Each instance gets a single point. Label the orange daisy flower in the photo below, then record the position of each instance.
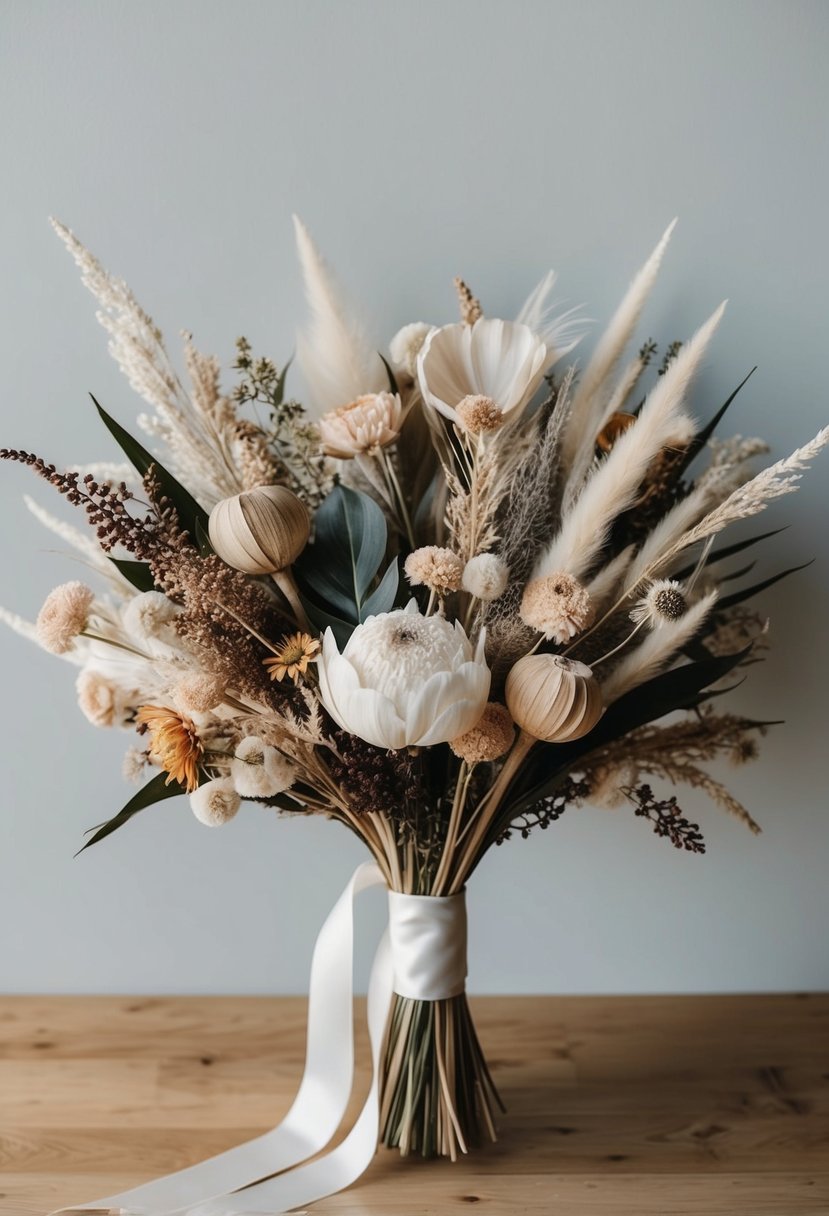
(175, 744)
(295, 652)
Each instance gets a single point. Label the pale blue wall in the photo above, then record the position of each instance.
(418, 140)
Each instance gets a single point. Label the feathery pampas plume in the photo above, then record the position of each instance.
(748, 499)
(560, 333)
(655, 651)
(613, 486)
(591, 396)
(336, 359)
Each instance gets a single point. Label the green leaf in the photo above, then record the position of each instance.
(738, 597)
(391, 376)
(202, 539)
(340, 567)
(189, 511)
(382, 600)
(279, 389)
(154, 791)
(701, 438)
(718, 555)
(323, 620)
(136, 573)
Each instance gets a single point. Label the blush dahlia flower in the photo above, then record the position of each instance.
(404, 680)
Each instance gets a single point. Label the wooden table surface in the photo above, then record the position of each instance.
(617, 1106)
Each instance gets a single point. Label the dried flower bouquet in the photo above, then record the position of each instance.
(455, 596)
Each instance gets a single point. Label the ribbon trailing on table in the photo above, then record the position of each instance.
(422, 955)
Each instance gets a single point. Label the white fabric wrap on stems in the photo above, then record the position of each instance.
(422, 955)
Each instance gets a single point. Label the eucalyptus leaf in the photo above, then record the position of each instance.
(189, 512)
(383, 598)
(154, 791)
(339, 569)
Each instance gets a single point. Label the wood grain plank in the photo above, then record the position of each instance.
(631, 1106)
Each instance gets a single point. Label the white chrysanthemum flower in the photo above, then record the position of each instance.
(363, 426)
(215, 802)
(64, 616)
(404, 680)
(405, 346)
(485, 576)
(500, 360)
(663, 602)
(102, 701)
(147, 615)
(260, 771)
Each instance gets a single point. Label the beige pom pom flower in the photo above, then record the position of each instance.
(439, 569)
(557, 606)
(215, 802)
(485, 576)
(361, 427)
(491, 736)
(260, 771)
(64, 616)
(480, 415)
(199, 692)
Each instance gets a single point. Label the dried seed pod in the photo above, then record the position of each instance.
(260, 531)
(553, 698)
(613, 429)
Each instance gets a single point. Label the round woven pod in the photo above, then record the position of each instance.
(553, 698)
(259, 531)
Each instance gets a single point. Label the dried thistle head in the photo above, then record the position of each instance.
(663, 603)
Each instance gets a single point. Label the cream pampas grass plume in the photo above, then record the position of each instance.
(592, 394)
(656, 650)
(337, 360)
(612, 489)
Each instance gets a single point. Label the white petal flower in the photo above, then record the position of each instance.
(501, 360)
(404, 680)
(260, 771)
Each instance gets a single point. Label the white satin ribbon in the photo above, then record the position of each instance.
(422, 955)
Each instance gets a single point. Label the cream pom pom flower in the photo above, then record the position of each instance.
(486, 576)
(102, 701)
(148, 615)
(215, 802)
(363, 426)
(260, 771)
(434, 567)
(404, 680)
(405, 346)
(501, 360)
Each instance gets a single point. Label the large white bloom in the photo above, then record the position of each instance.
(502, 360)
(404, 680)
